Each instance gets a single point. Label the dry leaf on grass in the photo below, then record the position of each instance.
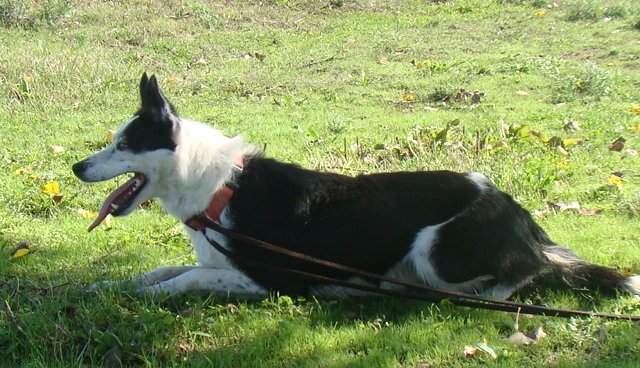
(519, 338)
(571, 126)
(52, 187)
(539, 13)
(526, 338)
(552, 207)
(20, 250)
(56, 149)
(617, 145)
(471, 351)
(615, 179)
(409, 97)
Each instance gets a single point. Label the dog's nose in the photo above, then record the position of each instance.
(79, 167)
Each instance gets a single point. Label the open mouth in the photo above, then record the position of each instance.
(120, 199)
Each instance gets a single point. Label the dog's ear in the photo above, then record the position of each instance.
(143, 86)
(153, 101)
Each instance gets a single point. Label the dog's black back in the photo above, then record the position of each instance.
(370, 222)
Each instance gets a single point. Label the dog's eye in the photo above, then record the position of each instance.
(122, 145)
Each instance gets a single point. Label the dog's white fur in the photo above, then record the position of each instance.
(198, 168)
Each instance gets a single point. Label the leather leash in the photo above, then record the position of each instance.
(201, 223)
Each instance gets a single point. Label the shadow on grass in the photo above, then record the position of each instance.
(83, 327)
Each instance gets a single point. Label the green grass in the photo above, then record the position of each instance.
(346, 86)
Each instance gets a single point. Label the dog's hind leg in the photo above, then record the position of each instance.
(216, 281)
(147, 278)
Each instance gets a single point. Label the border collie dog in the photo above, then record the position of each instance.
(444, 229)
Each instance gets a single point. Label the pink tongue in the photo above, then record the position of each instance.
(106, 206)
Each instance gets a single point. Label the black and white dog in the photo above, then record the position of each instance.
(448, 230)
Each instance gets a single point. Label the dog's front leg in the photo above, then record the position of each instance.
(216, 281)
(146, 279)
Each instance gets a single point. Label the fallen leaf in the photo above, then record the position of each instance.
(110, 134)
(571, 206)
(635, 109)
(57, 198)
(86, 214)
(52, 187)
(201, 61)
(615, 180)
(537, 334)
(20, 250)
(571, 126)
(555, 142)
(588, 212)
(20, 253)
(56, 149)
(409, 97)
(91, 215)
(562, 207)
(635, 128)
(384, 60)
(171, 79)
(519, 338)
(570, 142)
(617, 145)
(561, 151)
(522, 93)
(526, 338)
(539, 13)
(483, 346)
(469, 351)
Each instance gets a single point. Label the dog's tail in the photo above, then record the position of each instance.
(577, 273)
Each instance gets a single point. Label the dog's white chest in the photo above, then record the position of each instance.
(207, 255)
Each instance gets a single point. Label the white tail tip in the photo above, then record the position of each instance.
(632, 285)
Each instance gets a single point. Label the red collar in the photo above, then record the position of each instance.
(219, 201)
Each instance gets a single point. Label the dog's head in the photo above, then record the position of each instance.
(143, 146)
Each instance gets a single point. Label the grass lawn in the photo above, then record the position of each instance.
(532, 93)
